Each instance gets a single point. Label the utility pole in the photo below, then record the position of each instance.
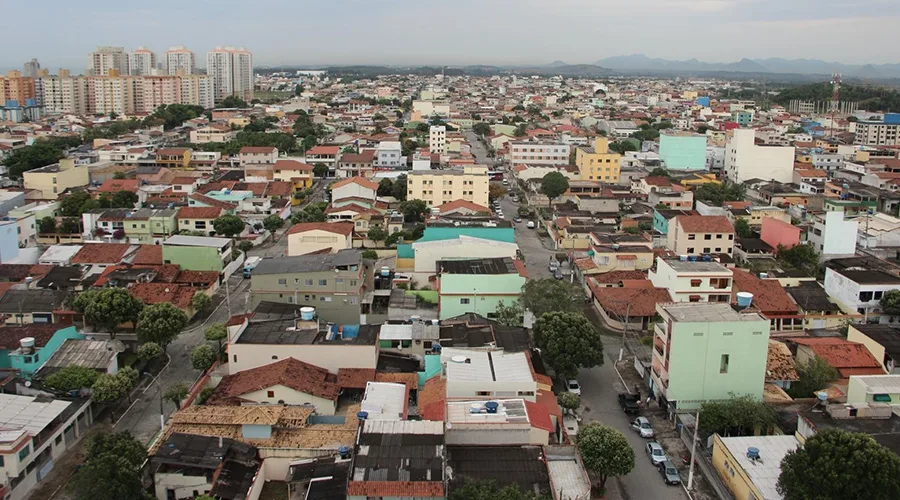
(693, 450)
(228, 297)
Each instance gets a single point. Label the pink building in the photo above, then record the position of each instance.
(775, 232)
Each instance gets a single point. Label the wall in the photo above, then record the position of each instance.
(877, 350)
(683, 152)
(314, 241)
(183, 486)
(341, 300)
(740, 484)
(745, 160)
(291, 397)
(44, 353)
(427, 254)
(679, 284)
(858, 393)
(193, 258)
(489, 434)
(484, 293)
(775, 232)
(331, 357)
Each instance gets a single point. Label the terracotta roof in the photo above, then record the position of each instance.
(238, 319)
(351, 207)
(289, 372)
(5, 286)
(172, 151)
(345, 228)
(768, 295)
(704, 223)
(42, 333)
(396, 488)
(635, 301)
(811, 172)
(293, 165)
(432, 399)
(212, 202)
(207, 277)
(364, 157)
(848, 358)
(148, 254)
(520, 267)
(15, 272)
(116, 185)
(644, 283)
(101, 253)
(410, 380)
(156, 293)
(279, 188)
(455, 204)
(539, 416)
(548, 400)
(586, 264)
(257, 149)
(780, 362)
(184, 180)
(355, 378)
(362, 181)
(324, 150)
(658, 181)
(618, 276)
(198, 213)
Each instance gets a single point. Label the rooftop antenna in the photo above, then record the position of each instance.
(835, 97)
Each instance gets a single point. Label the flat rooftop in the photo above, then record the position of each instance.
(697, 267)
(510, 411)
(27, 413)
(765, 471)
(308, 263)
(486, 366)
(699, 312)
(502, 265)
(197, 241)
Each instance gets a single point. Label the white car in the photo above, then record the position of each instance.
(656, 453)
(642, 426)
(531, 224)
(571, 425)
(573, 387)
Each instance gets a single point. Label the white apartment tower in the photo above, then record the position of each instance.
(31, 68)
(142, 62)
(64, 94)
(437, 139)
(231, 70)
(108, 58)
(180, 59)
(745, 160)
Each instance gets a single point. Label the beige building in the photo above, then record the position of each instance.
(700, 234)
(693, 281)
(310, 237)
(436, 187)
(53, 180)
(597, 162)
(65, 94)
(106, 60)
(539, 153)
(255, 155)
(212, 133)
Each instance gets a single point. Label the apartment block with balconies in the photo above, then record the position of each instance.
(689, 281)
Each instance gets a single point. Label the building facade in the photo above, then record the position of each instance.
(231, 70)
(142, 62)
(537, 153)
(879, 133)
(694, 235)
(180, 60)
(598, 162)
(682, 150)
(106, 59)
(436, 187)
(745, 160)
(437, 139)
(693, 281)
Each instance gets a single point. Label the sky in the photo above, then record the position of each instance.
(456, 32)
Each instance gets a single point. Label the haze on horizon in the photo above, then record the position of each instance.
(498, 32)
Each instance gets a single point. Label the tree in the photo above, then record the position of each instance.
(377, 233)
(71, 378)
(398, 189)
(568, 401)
(742, 228)
(108, 308)
(414, 210)
(568, 341)
(605, 452)
(119, 176)
(622, 147)
(814, 376)
(320, 170)
(273, 223)
(370, 254)
(111, 469)
(659, 172)
(509, 315)
(110, 388)
(73, 205)
(385, 187)
(496, 191)
(39, 154)
(149, 351)
(203, 356)
(233, 101)
(129, 374)
(482, 129)
(801, 257)
(553, 185)
(489, 490)
(160, 323)
(228, 225)
(245, 246)
(717, 194)
(176, 394)
(174, 115)
(547, 295)
(738, 416)
(890, 302)
(201, 302)
(835, 464)
(47, 225)
(520, 130)
(69, 225)
(314, 212)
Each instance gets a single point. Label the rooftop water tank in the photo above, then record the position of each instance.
(344, 452)
(491, 406)
(744, 299)
(362, 415)
(307, 313)
(458, 359)
(27, 343)
(753, 453)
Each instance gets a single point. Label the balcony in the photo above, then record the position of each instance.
(660, 332)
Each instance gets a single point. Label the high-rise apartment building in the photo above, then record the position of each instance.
(64, 94)
(141, 62)
(123, 94)
(31, 68)
(180, 59)
(197, 90)
(104, 59)
(231, 70)
(15, 87)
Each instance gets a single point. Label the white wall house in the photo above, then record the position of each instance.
(745, 160)
(428, 253)
(474, 374)
(389, 155)
(437, 139)
(832, 236)
(693, 281)
(861, 290)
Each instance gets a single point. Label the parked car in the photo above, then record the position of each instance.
(517, 219)
(571, 425)
(656, 453)
(630, 403)
(573, 386)
(642, 426)
(669, 472)
(558, 274)
(531, 224)
(553, 266)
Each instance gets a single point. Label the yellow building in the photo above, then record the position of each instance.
(693, 181)
(598, 163)
(53, 180)
(750, 465)
(296, 172)
(174, 158)
(436, 187)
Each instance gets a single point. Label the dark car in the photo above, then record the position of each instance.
(669, 472)
(630, 403)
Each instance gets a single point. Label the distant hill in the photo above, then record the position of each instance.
(557, 63)
(640, 62)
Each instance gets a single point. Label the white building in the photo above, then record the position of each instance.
(65, 94)
(693, 281)
(437, 139)
(832, 236)
(106, 58)
(231, 70)
(878, 133)
(389, 154)
(537, 153)
(474, 374)
(180, 59)
(861, 289)
(142, 62)
(429, 253)
(745, 160)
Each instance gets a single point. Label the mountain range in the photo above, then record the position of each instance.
(640, 62)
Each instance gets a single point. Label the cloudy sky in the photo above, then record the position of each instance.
(62, 33)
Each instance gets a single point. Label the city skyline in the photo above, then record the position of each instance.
(576, 31)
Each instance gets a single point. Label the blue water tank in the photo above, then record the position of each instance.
(744, 299)
(350, 331)
(344, 452)
(362, 415)
(491, 406)
(892, 118)
(307, 313)
(753, 453)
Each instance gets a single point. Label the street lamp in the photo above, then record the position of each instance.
(162, 418)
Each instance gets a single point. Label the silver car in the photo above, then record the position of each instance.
(642, 426)
(669, 472)
(656, 453)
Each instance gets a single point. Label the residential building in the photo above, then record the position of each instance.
(142, 62)
(31, 68)
(833, 236)
(538, 153)
(689, 281)
(285, 382)
(198, 219)
(319, 237)
(848, 358)
(255, 155)
(231, 70)
(750, 465)
(597, 162)
(883, 341)
(818, 309)
(885, 132)
(326, 155)
(357, 165)
(860, 287)
(180, 60)
(436, 187)
(770, 299)
(745, 160)
(65, 94)
(700, 235)
(212, 133)
(37, 432)
(633, 303)
(437, 139)
(33, 306)
(389, 155)
(199, 253)
(331, 283)
(299, 174)
(613, 256)
(107, 60)
(478, 285)
(681, 150)
(873, 389)
(26, 348)
(53, 180)
(15, 87)
(191, 465)
(777, 233)
(430, 252)
(113, 94)
(707, 352)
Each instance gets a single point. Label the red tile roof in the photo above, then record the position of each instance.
(704, 224)
(156, 293)
(204, 277)
(410, 380)
(453, 205)
(658, 181)
(101, 253)
(355, 378)
(148, 254)
(432, 399)
(539, 416)
(351, 207)
(198, 213)
(848, 358)
(289, 372)
(396, 488)
(324, 150)
(618, 276)
(636, 302)
(183, 181)
(116, 185)
(345, 228)
(520, 267)
(768, 295)
(11, 335)
(238, 319)
(212, 202)
(362, 181)
(293, 165)
(364, 157)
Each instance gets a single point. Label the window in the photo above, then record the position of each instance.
(723, 364)
(730, 237)
(56, 441)
(692, 236)
(464, 301)
(718, 236)
(306, 298)
(270, 394)
(24, 452)
(308, 282)
(707, 236)
(696, 283)
(323, 282)
(718, 249)
(706, 250)
(690, 250)
(282, 281)
(526, 393)
(483, 393)
(865, 296)
(876, 296)
(339, 281)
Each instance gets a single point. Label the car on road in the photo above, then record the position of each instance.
(656, 453)
(531, 224)
(573, 386)
(630, 403)
(669, 472)
(558, 274)
(571, 424)
(642, 426)
(517, 219)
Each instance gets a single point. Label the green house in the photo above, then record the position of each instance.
(26, 348)
(478, 285)
(198, 253)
